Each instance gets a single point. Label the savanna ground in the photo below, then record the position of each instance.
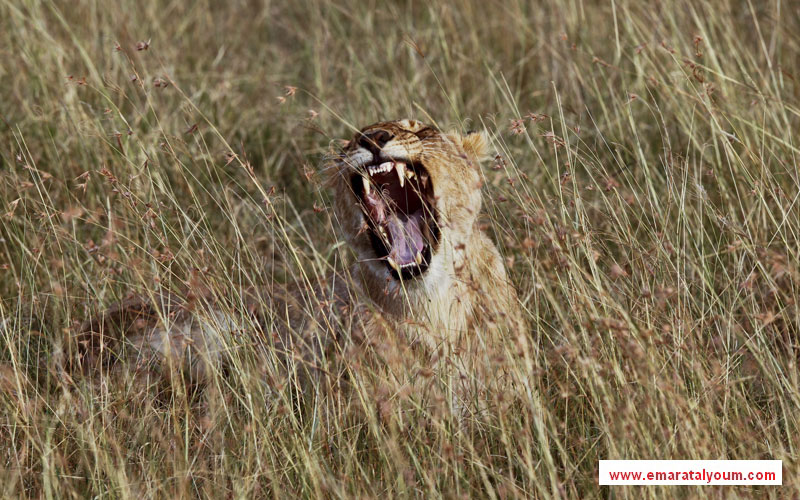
(644, 194)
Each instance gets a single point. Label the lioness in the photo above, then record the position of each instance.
(425, 277)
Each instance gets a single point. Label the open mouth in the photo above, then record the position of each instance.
(397, 200)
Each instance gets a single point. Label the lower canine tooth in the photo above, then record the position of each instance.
(394, 264)
(418, 259)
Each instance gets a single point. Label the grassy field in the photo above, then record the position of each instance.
(644, 194)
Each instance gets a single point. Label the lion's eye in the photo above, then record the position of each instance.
(425, 132)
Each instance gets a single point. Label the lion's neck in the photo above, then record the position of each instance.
(441, 300)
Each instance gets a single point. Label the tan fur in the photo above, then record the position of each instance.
(458, 310)
(467, 282)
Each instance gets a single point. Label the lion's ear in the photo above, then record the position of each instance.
(475, 145)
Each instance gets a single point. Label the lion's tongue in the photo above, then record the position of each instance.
(406, 234)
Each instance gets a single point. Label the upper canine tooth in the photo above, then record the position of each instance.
(401, 173)
(366, 185)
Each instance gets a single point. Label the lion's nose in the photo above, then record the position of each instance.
(374, 141)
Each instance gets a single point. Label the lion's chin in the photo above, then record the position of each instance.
(397, 201)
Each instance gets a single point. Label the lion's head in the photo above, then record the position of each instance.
(407, 196)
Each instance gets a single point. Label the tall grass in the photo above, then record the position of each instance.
(644, 195)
